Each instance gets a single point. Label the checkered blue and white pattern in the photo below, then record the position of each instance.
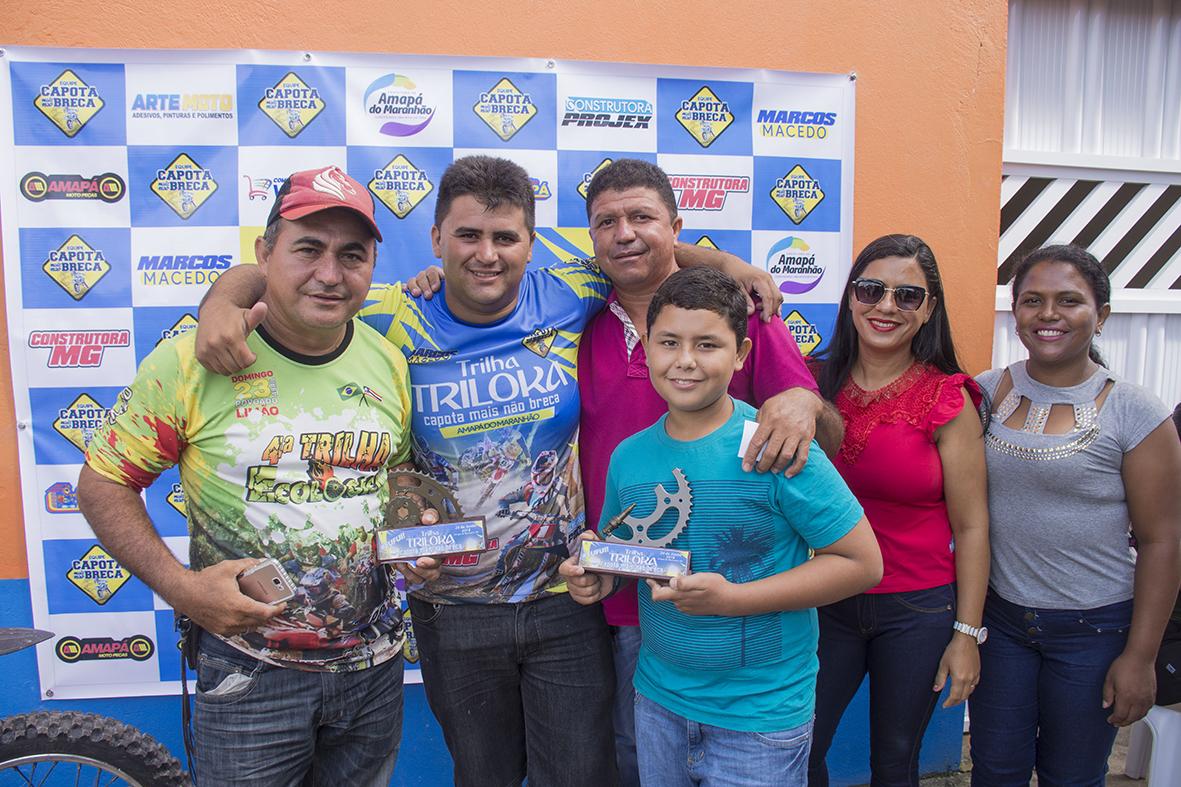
(130, 179)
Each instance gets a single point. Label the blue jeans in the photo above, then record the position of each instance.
(520, 690)
(1040, 699)
(1168, 666)
(898, 638)
(625, 642)
(676, 752)
(257, 724)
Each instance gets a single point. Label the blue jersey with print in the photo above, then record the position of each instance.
(495, 419)
(754, 673)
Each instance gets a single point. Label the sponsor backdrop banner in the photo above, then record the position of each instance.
(129, 180)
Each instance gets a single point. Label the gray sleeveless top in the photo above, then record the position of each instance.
(1058, 512)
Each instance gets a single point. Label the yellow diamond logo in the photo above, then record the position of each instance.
(79, 420)
(541, 189)
(804, 332)
(76, 266)
(176, 499)
(291, 103)
(587, 177)
(97, 574)
(797, 193)
(705, 116)
(707, 242)
(540, 341)
(184, 185)
(400, 186)
(505, 109)
(185, 324)
(68, 102)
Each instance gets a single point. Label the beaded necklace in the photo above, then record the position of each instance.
(1041, 398)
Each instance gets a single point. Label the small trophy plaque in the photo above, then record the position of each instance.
(407, 544)
(644, 554)
(613, 557)
(405, 538)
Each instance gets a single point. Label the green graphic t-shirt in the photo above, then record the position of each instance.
(285, 459)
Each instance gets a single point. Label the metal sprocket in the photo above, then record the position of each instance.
(412, 493)
(682, 501)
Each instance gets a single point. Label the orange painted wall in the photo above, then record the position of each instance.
(930, 98)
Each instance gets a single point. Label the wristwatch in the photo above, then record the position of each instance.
(979, 634)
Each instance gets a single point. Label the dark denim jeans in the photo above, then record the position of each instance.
(625, 642)
(266, 726)
(520, 690)
(898, 638)
(1040, 699)
(677, 752)
(1168, 665)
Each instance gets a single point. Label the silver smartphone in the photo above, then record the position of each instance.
(266, 582)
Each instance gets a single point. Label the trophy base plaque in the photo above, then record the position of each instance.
(447, 538)
(628, 560)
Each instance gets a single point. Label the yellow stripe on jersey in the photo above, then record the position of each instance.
(568, 354)
(397, 317)
(584, 278)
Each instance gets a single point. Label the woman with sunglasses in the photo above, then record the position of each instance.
(1076, 458)
(913, 455)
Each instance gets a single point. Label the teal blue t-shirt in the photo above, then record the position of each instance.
(755, 673)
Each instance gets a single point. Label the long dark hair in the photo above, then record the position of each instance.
(932, 343)
(1082, 261)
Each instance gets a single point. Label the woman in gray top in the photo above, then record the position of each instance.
(1075, 456)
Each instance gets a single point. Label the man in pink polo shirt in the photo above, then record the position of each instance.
(633, 220)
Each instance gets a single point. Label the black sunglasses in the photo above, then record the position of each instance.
(908, 297)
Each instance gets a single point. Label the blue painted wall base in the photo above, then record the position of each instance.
(848, 758)
(423, 761)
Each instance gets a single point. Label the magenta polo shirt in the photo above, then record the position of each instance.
(618, 401)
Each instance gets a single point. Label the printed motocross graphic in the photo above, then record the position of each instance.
(495, 419)
(281, 460)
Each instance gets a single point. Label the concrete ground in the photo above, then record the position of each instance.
(1115, 768)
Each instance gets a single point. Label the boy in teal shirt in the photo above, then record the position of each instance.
(729, 652)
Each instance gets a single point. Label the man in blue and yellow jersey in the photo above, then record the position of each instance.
(288, 459)
(505, 652)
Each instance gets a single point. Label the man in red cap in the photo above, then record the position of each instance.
(314, 190)
(285, 468)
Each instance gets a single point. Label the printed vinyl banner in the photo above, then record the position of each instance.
(129, 180)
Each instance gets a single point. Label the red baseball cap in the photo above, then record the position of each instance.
(313, 190)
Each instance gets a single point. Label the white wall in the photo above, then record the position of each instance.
(1094, 77)
(1093, 94)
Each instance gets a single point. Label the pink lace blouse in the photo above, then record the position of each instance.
(890, 461)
